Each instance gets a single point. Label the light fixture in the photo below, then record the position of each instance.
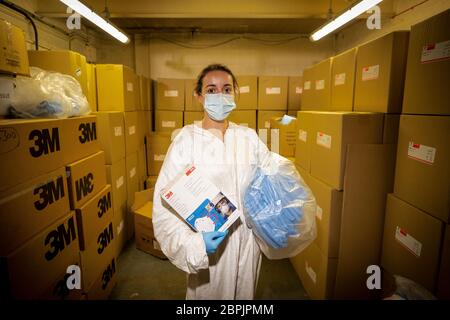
(345, 17)
(80, 8)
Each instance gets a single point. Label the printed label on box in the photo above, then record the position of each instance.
(323, 140)
(120, 227)
(370, 73)
(405, 239)
(117, 131)
(267, 124)
(171, 93)
(274, 90)
(298, 90)
(339, 79)
(129, 86)
(131, 130)
(119, 182)
(307, 85)
(302, 135)
(159, 157)
(421, 152)
(311, 273)
(435, 52)
(319, 212)
(168, 124)
(244, 89)
(132, 172)
(320, 84)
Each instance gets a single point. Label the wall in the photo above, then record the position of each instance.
(358, 33)
(173, 55)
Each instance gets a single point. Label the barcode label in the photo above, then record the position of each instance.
(320, 84)
(274, 90)
(421, 152)
(244, 89)
(370, 73)
(408, 241)
(170, 93)
(435, 52)
(117, 131)
(323, 140)
(339, 79)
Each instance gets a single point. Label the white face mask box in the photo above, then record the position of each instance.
(199, 202)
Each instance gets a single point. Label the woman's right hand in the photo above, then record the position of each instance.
(212, 240)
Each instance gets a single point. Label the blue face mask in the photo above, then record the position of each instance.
(219, 105)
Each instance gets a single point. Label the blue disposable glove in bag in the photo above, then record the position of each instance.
(275, 202)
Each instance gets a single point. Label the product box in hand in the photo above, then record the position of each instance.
(198, 201)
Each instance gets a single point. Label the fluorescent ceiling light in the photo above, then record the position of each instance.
(79, 7)
(342, 19)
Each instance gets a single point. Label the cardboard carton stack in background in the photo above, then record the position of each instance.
(416, 232)
(170, 99)
(272, 103)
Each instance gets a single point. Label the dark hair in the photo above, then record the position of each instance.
(210, 68)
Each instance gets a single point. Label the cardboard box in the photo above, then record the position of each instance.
(191, 116)
(145, 237)
(116, 88)
(35, 147)
(144, 86)
(62, 61)
(105, 282)
(272, 93)
(316, 271)
(150, 182)
(246, 118)
(142, 167)
(380, 73)
(443, 285)
(304, 140)
(190, 100)
(390, 128)
(343, 80)
(132, 175)
(29, 208)
(295, 91)
(148, 122)
(369, 173)
(157, 146)
(52, 250)
(116, 177)
(86, 178)
(111, 135)
(332, 132)
(309, 92)
(119, 220)
(96, 256)
(131, 132)
(411, 243)
(428, 67)
(14, 58)
(322, 84)
(170, 94)
(167, 121)
(328, 216)
(91, 84)
(247, 99)
(263, 122)
(423, 164)
(292, 113)
(283, 136)
(93, 216)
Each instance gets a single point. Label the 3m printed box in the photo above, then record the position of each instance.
(198, 201)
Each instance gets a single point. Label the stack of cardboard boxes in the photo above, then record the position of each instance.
(416, 242)
(345, 151)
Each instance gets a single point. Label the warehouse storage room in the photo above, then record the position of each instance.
(252, 151)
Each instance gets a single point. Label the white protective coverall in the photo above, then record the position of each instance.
(232, 272)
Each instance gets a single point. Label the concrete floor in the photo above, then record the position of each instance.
(144, 277)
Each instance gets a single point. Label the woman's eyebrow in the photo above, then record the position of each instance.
(210, 85)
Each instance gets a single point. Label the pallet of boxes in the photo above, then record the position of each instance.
(55, 205)
(345, 151)
(416, 242)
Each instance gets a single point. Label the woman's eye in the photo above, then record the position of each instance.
(211, 90)
(228, 91)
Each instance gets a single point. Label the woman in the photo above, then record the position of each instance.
(218, 265)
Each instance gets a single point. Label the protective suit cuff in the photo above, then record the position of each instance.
(197, 257)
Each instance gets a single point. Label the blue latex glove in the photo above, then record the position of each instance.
(213, 240)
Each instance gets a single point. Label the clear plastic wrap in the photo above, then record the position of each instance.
(47, 94)
(280, 208)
